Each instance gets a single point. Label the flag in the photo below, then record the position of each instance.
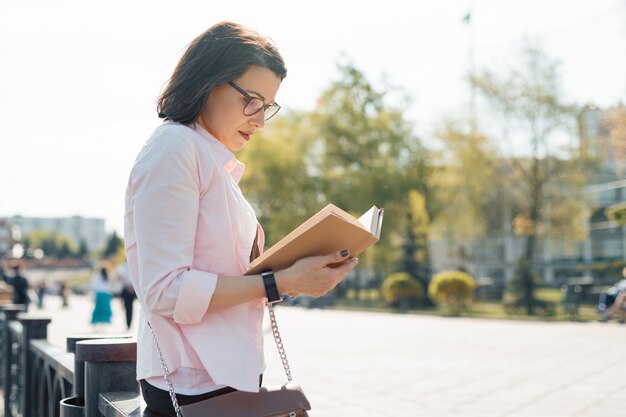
(467, 17)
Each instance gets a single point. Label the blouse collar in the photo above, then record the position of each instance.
(223, 155)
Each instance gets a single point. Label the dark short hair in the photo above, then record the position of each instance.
(221, 54)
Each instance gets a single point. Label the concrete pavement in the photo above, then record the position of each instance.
(388, 365)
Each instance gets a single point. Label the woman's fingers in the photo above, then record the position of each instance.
(317, 275)
(343, 269)
(332, 258)
(337, 257)
(348, 266)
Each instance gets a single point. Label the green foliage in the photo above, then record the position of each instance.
(53, 243)
(113, 246)
(83, 251)
(408, 262)
(401, 290)
(453, 288)
(368, 154)
(523, 286)
(415, 256)
(465, 185)
(617, 213)
(420, 225)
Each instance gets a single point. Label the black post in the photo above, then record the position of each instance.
(79, 365)
(75, 406)
(32, 328)
(109, 367)
(9, 312)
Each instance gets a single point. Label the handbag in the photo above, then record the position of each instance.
(287, 400)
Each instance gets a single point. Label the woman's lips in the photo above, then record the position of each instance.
(245, 135)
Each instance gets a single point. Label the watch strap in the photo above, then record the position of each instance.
(271, 289)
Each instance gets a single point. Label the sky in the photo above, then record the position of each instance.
(79, 79)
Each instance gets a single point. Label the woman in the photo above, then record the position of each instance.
(190, 233)
(101, 286)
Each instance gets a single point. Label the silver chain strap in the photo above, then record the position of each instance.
(166, 372)
(279, 341)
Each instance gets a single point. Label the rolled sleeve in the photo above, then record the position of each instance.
(165, 202)
(194, 296)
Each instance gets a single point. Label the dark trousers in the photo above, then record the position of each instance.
(128, 298)
(159, 400)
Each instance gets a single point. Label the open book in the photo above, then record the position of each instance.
(331, 229)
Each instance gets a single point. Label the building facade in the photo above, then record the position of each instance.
(78, 229)
(602, 137)
(9, 237)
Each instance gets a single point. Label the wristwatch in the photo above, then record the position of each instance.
(271, 290)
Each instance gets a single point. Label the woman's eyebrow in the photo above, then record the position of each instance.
(257, 93)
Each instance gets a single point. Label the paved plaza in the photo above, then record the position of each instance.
(393, 365)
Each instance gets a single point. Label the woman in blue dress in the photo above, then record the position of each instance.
(102, 289)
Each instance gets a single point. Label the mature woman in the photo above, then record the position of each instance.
(190, 233)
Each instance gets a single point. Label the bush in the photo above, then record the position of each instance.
(401, 290)
(453, 288)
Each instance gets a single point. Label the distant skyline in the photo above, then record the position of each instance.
(79, 80)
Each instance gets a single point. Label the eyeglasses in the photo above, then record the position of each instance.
(255, 104)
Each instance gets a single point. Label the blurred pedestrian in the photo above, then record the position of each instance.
(6, 290)
(128, 292)
(101, 286)
(63, 294)
(20, 287)
(618, 295)
(42, 289)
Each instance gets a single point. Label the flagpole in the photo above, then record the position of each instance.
(472, 102)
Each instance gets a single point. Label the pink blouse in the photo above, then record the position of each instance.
(186, 222)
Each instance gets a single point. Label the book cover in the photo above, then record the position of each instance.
(331, 229)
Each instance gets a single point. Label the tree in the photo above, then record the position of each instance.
(53, 243)
(464, 187)
(113, 245)
(366, 153)
(65, 251)
(415, 255)
(547, 180)
(409, 262)
(83, 251)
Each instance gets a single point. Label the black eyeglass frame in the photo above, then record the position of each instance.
(249, 98)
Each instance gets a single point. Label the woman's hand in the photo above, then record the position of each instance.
(316, 275)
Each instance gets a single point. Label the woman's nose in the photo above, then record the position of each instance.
(258, 119)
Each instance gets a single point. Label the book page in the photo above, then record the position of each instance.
(371, 220)
(379, 223)
(367, 219)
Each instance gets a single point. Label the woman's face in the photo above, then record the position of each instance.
(222, 115)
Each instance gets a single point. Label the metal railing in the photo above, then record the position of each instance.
(94, 377)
